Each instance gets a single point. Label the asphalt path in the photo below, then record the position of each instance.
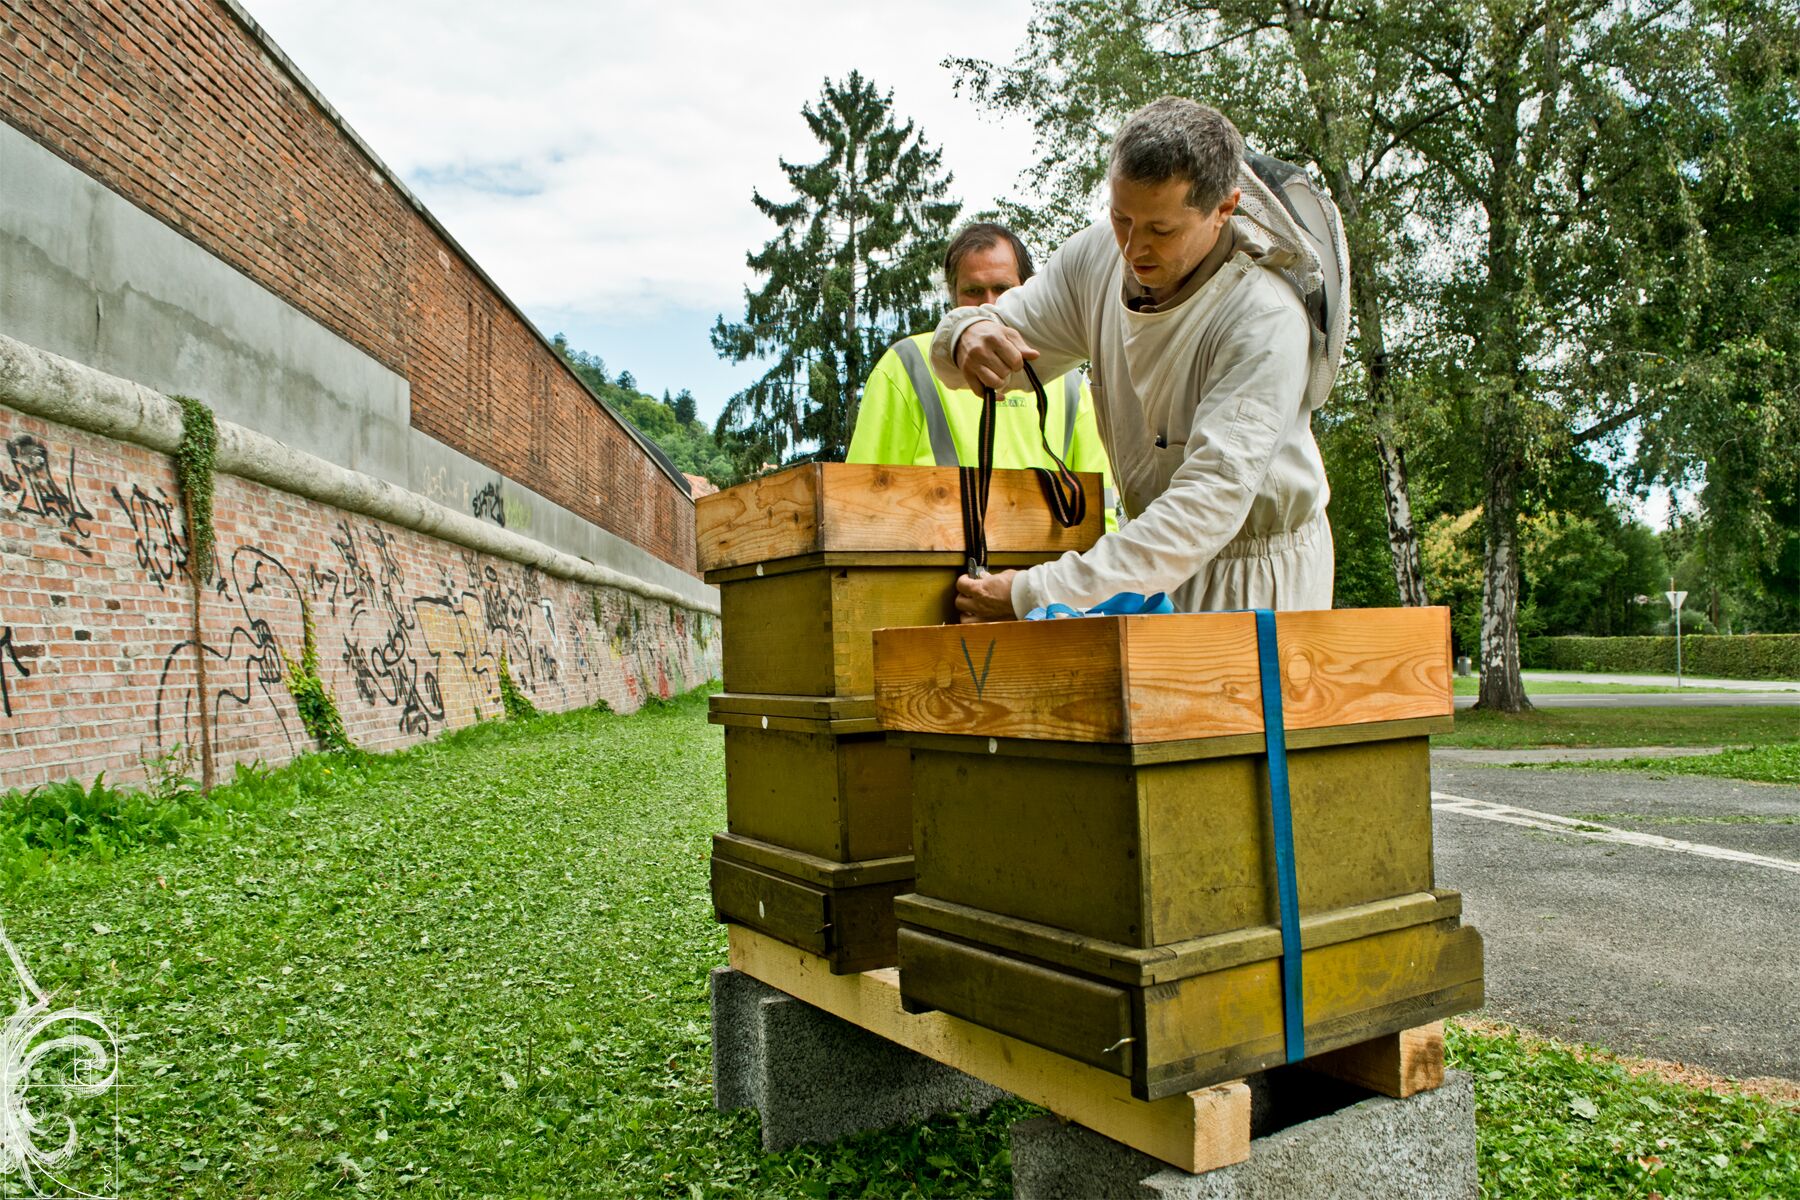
(1654, 700)
(1735, 685)
(1655, 916)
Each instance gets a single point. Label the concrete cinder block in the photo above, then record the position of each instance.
(815, 1078)
(1422, 1147)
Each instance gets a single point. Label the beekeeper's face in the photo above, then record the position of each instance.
(1161, 238)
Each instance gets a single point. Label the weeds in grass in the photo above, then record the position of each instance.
(1552, 1121)
(1777, 762)
(55, 823)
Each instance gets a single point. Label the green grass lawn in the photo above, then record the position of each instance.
(1724, 726)
(480, 969)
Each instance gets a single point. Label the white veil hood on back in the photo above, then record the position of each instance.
(1302, 220)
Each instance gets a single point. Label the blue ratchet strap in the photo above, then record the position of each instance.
(1281, 818)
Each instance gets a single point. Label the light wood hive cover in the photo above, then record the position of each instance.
(1161, 678)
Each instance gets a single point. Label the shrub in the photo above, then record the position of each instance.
(517, 705)
(1749, 656)
(317, 707)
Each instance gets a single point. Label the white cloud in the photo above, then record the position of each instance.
(599, 159)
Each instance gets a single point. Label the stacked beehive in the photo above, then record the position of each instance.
(808, 563)
(1095, 869)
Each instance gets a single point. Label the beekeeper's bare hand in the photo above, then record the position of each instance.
(985, 597)
(988, 353)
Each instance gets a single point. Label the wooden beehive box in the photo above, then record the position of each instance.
(810, 561)
(843, 912)
(819, 825)
(1093, 867)
(1162, 678)
(814, 774)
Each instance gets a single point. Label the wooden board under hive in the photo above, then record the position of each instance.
(810, 561)
(1094, 861)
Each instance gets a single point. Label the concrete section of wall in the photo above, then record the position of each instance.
(86, 274)
(458, 482)
(98, 664)
(189, 112)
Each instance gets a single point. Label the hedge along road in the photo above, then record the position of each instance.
(1733, 685)
(1680, 945)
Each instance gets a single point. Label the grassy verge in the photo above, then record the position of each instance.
(480, 968)
(1777, 762)
(1725, 726)
(1470, 685)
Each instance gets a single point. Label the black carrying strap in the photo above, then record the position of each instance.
(1062, 487)
(976, 481)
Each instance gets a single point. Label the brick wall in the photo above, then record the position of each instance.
(176, 105)
(97, 660)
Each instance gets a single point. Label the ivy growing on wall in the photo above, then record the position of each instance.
(517, 706)
(318, 710)
(194, 463)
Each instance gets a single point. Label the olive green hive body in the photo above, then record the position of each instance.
(809, 562)
(1113, 899)
(819, 820)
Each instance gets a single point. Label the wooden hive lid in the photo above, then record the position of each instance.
(1161, 678)
(837, 507)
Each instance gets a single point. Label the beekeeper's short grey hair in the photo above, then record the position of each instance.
(1175, 138)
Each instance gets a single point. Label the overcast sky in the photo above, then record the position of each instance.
(597, 159)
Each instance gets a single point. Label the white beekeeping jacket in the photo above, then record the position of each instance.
(1205, 411)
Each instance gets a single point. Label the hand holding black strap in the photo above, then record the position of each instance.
(1062, 487)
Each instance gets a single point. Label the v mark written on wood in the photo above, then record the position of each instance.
(980, 680)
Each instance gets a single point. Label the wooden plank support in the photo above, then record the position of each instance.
(1199, 1131)
(1399, 1064)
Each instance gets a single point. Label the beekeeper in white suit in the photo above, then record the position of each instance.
(1190, 303)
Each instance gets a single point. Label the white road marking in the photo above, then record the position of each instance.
(1552, 823)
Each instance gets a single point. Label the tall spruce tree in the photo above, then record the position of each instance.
(849, 270)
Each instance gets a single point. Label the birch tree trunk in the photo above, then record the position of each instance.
(1502, 433)
(1502, 687)
(1403, 535)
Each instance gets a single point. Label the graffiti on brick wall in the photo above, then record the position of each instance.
(404, 649)
(9, 661)
(156, 539)
(426, 651)
(246, 670)
(488, 503)
(33, 490)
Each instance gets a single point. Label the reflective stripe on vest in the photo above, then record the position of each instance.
(943, 446)
(1071, 406)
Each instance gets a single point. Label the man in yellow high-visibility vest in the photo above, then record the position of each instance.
(909, 417)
